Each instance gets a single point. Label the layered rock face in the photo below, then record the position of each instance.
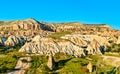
(45, 45)
(95, 48)
(75, 45)
(29, 24)
(28, 27)
(85, 39)
(68, 26)
(76, 40)
(13, 40)
(93, 44)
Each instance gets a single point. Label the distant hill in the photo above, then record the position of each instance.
(33, 27)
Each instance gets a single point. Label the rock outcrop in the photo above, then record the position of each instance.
(28, 27)
(90, 67)
(84, 40)
(92, 43)
(44, 45)
(51, 62)
(76, 40)
(95, 48)
(75, 45)
(30, 24)
(14, 40)
(1, 42)
(118, 41)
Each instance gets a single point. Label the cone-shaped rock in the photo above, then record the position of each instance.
(51, 62)
(89, 67)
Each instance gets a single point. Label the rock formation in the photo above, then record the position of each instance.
(95, 48)
(13, 40)
(76, 40)
(30, 24)
(118, 41)
(90, 67)
(44, 45)
(75, 45)
(51, 62)
(92, 43)
(1, 42)
(28, 27)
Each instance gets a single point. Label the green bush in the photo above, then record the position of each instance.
(7, 62)
(24, 60)
(37, 61)
(113, 48)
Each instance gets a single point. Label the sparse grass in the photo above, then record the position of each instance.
(7, 62)
(112, 54)
(57, 35)
(113, 48)
(75, 66)
(8, 58)
(37, 63)
(68, 65)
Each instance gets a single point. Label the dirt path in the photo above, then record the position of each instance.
(112, 60)
(20, 66)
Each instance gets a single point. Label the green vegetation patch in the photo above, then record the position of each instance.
(38, 63)
(7, 62)
(57, 35)
(68, 65)
(113, 48)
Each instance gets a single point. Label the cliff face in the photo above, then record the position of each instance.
(45, 45)
(28, 24)
(24, 28)
(75, 45)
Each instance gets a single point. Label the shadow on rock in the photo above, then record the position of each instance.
(61, 63)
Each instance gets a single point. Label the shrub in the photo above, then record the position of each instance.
(7, 62)
(24, 60)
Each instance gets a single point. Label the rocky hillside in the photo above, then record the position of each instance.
(41, 47)
(42, 37)
(76, 45)
(33, 27)
(24, 28)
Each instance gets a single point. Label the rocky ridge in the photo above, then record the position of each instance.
(84, 37)
(46, 45)
(76, 45)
